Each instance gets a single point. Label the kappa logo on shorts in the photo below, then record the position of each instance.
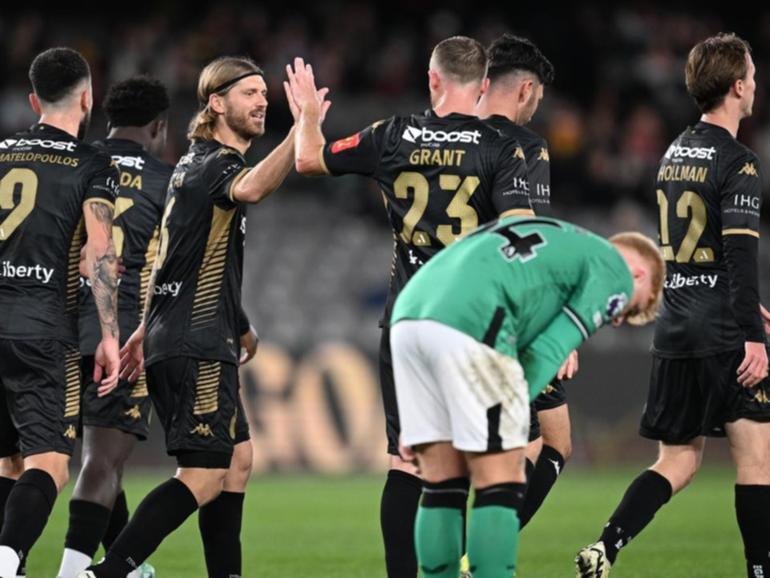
(134, 413)
(70, 433)
(761, 397)
(549, 389)
(203, 430)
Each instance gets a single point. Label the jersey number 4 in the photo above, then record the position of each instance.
(458, 207)
(26, 180)
(691, 205)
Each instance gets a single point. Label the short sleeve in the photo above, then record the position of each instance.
(605, 289)
(103, 181)
(357, 154)
(539, 173)
(224, 169)
(742, 197)
(510, 186)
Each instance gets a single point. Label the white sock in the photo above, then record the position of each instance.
(73, 563)
(134, 573)
(9, 562)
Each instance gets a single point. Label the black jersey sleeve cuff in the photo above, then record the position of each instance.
(741, 260)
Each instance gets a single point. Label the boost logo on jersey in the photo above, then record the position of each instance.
(36, 142)
(416, 135)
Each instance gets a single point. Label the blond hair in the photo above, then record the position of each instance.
(461, 58)
(650, 252)
(218, 73)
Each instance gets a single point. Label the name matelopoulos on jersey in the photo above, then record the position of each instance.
(677, 151)
(418, 135)
(36, 142)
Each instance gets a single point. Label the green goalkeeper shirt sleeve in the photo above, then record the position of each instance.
(544, 356)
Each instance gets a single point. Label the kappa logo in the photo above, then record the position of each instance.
(203, 430)
(749, 169)
(761, 397)
(134, 413)
(518, 153)
(70, 433)
(416, 134)
(544, 156)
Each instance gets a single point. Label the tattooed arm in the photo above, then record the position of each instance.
(102, 265)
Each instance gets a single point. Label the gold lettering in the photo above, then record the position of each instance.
(683, 173)
(437, 158)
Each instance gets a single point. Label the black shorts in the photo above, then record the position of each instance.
(388, 387)
(40, 405)
(197, 403)
(127, 408)
(552, 397)
(698, 396)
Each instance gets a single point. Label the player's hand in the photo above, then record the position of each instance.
(570, 366)
(132, 356)
(304, 95)
(106, 365)
(249, 344)
(765, 318)
(754, 366)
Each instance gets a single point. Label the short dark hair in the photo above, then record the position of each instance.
(713, 66)
(136, 101)
(56, 71)
(462, 58)
(511, 53)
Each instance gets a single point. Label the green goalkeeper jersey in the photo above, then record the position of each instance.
(533, 288)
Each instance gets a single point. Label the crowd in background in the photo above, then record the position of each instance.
(618, 99)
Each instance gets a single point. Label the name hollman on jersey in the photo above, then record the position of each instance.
(10, 271)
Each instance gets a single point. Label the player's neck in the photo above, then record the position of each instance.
(134, 134)
(229, 137)
(66, 121)
(451, 101)
(723, 118)
(491, 105)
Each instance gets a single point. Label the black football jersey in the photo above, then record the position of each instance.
(46, 175)
(708, 187)
(441, 178)
(538, 160)
(135, 232)
(197, 295)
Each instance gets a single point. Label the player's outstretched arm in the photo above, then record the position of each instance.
(268, 174)
(311, 105)
(102, 266)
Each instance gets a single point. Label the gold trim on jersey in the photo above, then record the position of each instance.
(73, 267)
(149, 260)
(212, 271)
(140, 387)
(234, 182)
(324, 168)
(207, 387)
(72, 383)
(517, 213)
(740, 232)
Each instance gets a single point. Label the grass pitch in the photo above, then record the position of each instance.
(320, 527)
